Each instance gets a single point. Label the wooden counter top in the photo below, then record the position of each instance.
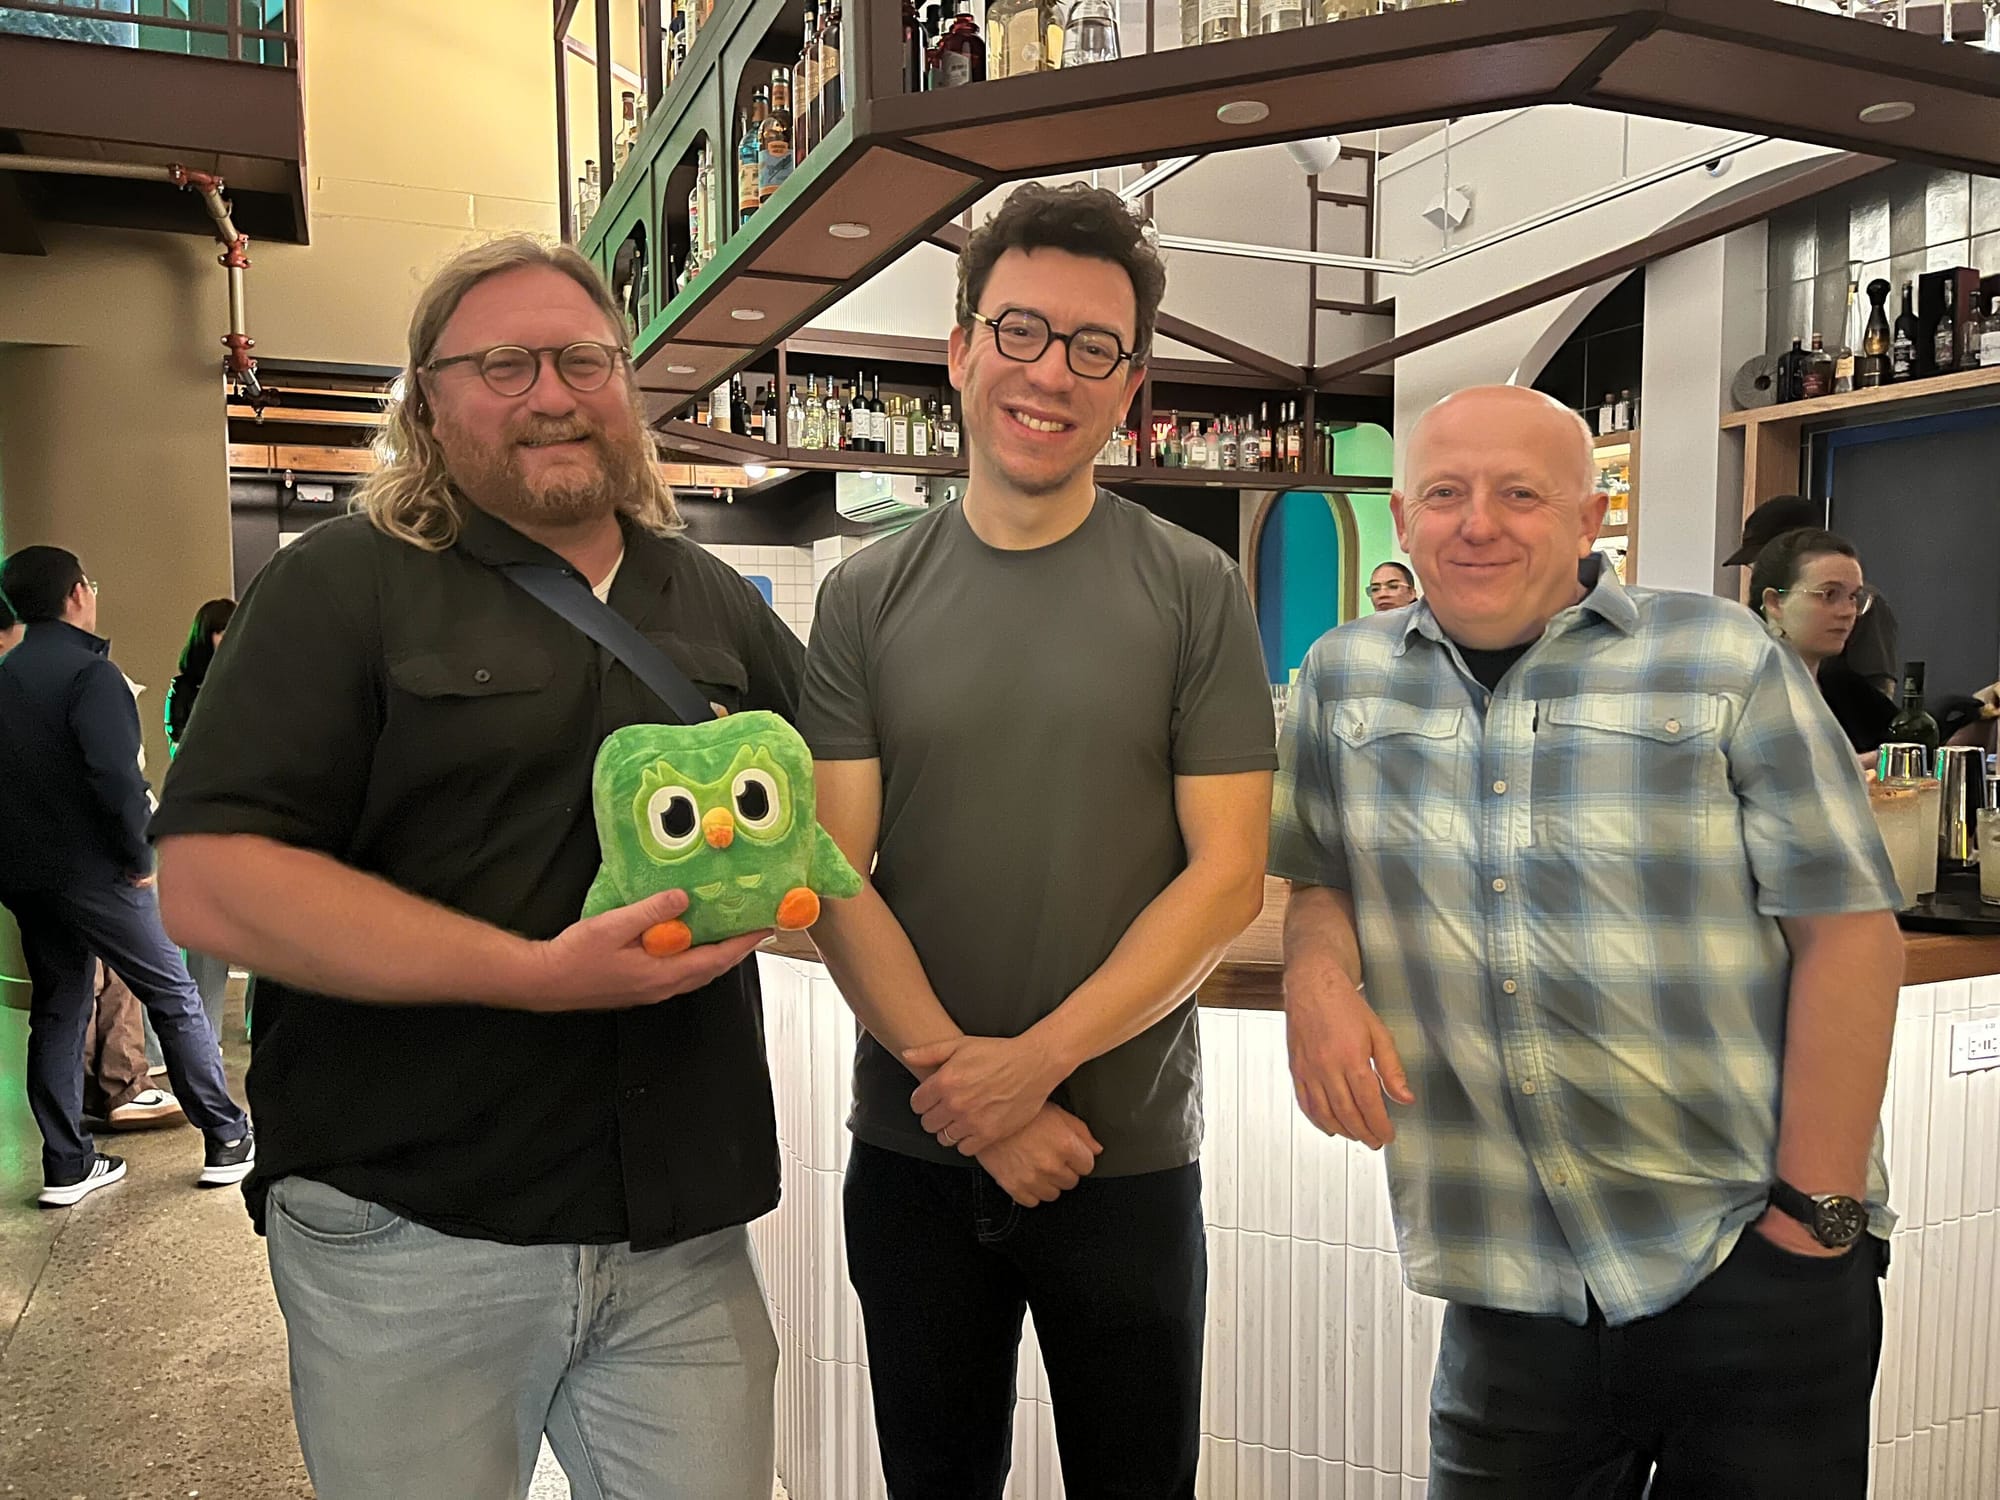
(1250, 978)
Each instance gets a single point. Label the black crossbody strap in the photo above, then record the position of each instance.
(570, 597)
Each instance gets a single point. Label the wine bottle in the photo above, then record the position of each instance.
(1912, 724)
(1903, 342)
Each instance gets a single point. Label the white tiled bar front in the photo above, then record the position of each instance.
(1318, 1361)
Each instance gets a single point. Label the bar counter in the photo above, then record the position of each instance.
(1250, 977)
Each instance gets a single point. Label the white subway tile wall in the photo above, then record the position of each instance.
(1319, 1362)
(793, 573)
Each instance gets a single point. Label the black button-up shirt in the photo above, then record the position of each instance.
(417, 716)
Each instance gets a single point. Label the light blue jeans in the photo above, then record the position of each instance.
(428, 1367)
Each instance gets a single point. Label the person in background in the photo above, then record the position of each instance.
(1807, 587)
(1027, 1102)
(1871, 652)
(509, 1156)
(79, 878)
(211, 621)
(1632, 969)
(1391, 586)
(11, 629)
(210, 974)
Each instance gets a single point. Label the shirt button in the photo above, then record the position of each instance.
(635, 1092)
(1499, 788)
(1528, 1087)
(482, 675)
(1562, 1179)
(1509, 986)
(1673, 726)
(1500, 886)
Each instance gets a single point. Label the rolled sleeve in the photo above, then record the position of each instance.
(1306, 844)
(290, 714)
(1811, 840)
(836, 709)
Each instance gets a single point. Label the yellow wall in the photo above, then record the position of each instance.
(428, 127)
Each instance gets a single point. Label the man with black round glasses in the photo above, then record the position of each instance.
(1041, 715)
(506, 1157)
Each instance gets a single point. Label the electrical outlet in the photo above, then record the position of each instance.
(1975, 1045)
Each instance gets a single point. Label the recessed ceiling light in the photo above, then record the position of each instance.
(1888, 113)
(847, 229)
(680, 369)
(1243, 112)
(747, 314)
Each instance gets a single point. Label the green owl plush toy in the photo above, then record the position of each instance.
(723, 811)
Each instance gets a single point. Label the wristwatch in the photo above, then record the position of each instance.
(1834, 1219)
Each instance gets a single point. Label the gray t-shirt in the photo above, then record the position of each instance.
(1031, 711)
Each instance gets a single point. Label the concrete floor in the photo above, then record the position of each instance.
(142, 1356)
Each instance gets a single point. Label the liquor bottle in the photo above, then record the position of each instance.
(920, 431)
(1946, 343)
(739, 408)
(1903, 343)
(781, 94)
(1989, 337)
(1232, 446)
(878, 419)
(1279, 15)
(1328, 11)
(832, 85)
(1872, 369)
(861, 417)
(1176, 452)
(961, 50)
(1818, 380)
(1607, 412)
(947, 434)
(805, 90)
(718, 408)
(1250, 448)
(749, 155)
(795, 417)
(1024, 36)
(590, 197)
(1295, 440)
(1197, 448)
(628, 131)
(913, 49)
(1791, 373)
(1090, 33)
(1914, 726)
(1221, 20)
(1267, 438)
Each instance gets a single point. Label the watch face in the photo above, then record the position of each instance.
(1841, 1220)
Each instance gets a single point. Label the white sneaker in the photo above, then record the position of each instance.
(103, 1172)
(147, 1109)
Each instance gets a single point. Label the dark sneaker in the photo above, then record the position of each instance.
(228, 1161)
(103, 1172)
(145, 1110)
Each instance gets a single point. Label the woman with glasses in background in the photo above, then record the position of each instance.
(1807, 585)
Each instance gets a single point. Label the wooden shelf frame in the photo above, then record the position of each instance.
(905, 164)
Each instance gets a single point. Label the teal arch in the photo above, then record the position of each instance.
(1305, 571)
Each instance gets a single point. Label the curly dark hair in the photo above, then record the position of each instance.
(1080, 219)
(1777, 566)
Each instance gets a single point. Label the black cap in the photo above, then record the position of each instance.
(1775, 517)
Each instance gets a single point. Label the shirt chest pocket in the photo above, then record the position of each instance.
(456, 706)
(1641, 773)
(716, 671)
(1403, 774)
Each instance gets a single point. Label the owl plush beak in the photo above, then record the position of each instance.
(719, 828)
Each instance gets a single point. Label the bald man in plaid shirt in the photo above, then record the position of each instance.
(1625, 924)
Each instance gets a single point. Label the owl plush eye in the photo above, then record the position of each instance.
(755, 796)
(673, 818)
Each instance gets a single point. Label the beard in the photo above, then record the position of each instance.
(606, 475)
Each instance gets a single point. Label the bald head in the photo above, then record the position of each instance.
(1496, 509)
(1534, 419)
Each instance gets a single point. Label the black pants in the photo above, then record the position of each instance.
(1116, 1274)
(1753, 1387)
(63, 933)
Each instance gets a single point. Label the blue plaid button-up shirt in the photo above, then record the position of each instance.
(1568, 900)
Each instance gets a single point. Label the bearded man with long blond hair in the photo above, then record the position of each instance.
(506, 1157)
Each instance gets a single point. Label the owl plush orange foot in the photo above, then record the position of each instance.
(798, 911)
(665, 939)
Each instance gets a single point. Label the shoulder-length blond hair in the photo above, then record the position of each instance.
(410, 494)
